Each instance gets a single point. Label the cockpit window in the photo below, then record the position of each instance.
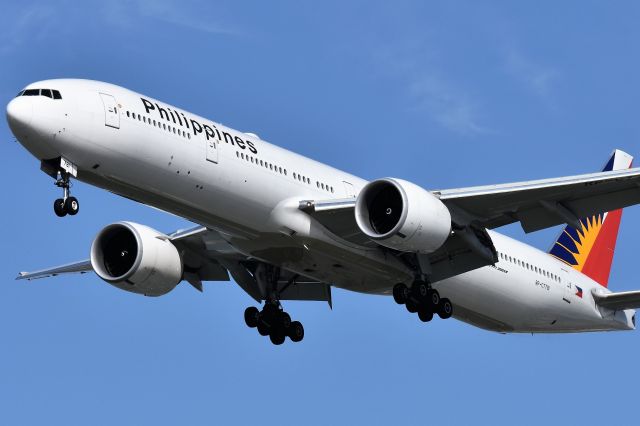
(49, 93)
(20, 94)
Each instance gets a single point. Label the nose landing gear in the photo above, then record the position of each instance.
(66, 205)
(423, 299)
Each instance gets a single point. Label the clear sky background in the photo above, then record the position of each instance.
(445, 94)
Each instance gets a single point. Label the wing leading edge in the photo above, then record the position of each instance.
(81, 267)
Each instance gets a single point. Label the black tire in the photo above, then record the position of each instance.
(296, 331)
(263, 328)
(445, 309)
(400, 293)
(420, 290)
(72, 206)
(411, 306)
(251, 316)
(277, 338)
(58, 207)
(270, 313)
(425, 314)
(434, 298)
(285, 320)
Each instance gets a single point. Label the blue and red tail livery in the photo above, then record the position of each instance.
(590, 248)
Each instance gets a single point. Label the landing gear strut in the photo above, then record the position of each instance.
(423, 299)
(272, 320)
(67, 205)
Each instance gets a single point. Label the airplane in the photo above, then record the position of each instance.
(285, 227)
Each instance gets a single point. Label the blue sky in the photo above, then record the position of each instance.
(445, 94)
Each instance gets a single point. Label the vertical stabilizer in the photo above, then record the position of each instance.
(590, 248)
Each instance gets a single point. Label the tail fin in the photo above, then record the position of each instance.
(590, 248)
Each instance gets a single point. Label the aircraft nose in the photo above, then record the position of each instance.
(19, 113)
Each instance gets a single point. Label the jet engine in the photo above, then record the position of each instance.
(402, 216)
(136, 258)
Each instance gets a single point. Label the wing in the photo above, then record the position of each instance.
(81, 267)
(208, 256)
(535, 204)
(544, 203)
(618, 301)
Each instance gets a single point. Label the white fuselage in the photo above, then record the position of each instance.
(249, 191)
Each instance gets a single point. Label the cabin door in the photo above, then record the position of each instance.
(111, 114)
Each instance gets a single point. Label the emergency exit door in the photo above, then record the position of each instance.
(111, 114)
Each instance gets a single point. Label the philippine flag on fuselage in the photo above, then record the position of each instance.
(579, 292)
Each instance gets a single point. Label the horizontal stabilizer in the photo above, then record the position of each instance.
(618, 301)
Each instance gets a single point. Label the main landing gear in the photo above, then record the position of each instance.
(66, 205)
(274, 322)
(424, 300)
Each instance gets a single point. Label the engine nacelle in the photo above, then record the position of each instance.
(136, 258)
(402, 216)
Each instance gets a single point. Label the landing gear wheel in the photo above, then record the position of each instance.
(420, 290)
(71, 206)
(446, 309)
(285, 320)
(251, 316)
(425, 314)
(411, 306)
(277, 338)
(296, 331)
(400, 293)
(263, 329)
(434, 298)
(58, 207)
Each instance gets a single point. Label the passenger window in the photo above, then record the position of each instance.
(56, 94)
(47, 93)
